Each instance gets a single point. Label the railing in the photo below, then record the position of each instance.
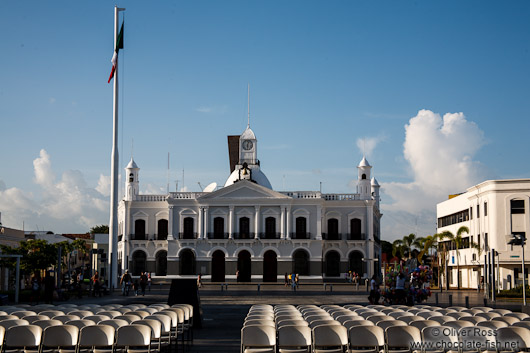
(356, 236)
(139, 236)
(269, 235)
(243, 236)
(188, 235)
(151, 198)
(217, 235)
(160, 237)
(341, 197)
(332, 236)
(298, 235)
(303, 194)
(186, 195)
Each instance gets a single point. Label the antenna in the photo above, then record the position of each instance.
(132, 148)
(200, 185)
(168, 172)
(248, 105)
(183, 185)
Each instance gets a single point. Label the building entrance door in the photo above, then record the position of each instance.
(218, 266)
(244, 266)
(270, 268)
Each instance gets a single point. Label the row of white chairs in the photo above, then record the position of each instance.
(308, 327)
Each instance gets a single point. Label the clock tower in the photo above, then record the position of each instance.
(248, 147)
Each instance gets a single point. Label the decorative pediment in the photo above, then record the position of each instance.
(244, 189)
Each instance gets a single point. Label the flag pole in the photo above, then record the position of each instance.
(113, 224)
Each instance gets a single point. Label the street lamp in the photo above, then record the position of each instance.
(519, 239)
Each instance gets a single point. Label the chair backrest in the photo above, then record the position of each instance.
(501, 311)
(172, 315)
(65, 318)
(428, 314)
(457, 325)
(259, 322)
(151, 311)
(520, 316)
(350, 323)
(258, 337)
(8, 317)
(473, 319)
(97, 318)
(376, 319)
(179, 312)
(164, 320)
(510, 320)
(32, 318)
(330, 336)
(52, 313)
(60, 336)
(514, 339)
(294, 336)
(110, 313)
(23, 336)
(387, 323)
(155, 325)
(115, 323)
(97, 336)
(123, 310)
(2, 333)
(80, 313)
(128, 317)
(344, 318)
(133, 335)
(316, 323)
(139, 313)
(484, 309)
(81, 323)
(398, 314)
(476, 338)
(425, 323)
(362, 337)
(442, 319)
(442, 338)
(489, 316)
(492, 324)
(20, 314)
(46, 323)
(7, 324)
(402, 337)
(283, 323)
(522, 324)
(409, 319)
(458, 315)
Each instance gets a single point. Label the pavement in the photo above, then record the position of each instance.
(225, 307)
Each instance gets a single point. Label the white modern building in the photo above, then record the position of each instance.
(248, 228)
(492, 211)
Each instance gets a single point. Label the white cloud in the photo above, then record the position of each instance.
(367, 145)
(66, 205)
(103, 185)
(213, 109)
(439, 152)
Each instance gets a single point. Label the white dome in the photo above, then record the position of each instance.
(257, 175)
(132, 165)
(364, 163)
(248, 134)
(374, 182)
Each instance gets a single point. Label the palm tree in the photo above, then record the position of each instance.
(457, 240)
(410, 241)
(397, 248)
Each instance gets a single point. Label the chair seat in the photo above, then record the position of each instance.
(328, 350)
(260, 350)
(365, 350)
(294, 350)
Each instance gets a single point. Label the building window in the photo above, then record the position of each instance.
(486, 247)
(131, 178)
(301, 228)
(244, 228)
(139, 230)
(485, 209)
(270, 228)
(454, 218)
(162, 229)
(478, 211)
(471, 213)
(517, 206)
(363, 177)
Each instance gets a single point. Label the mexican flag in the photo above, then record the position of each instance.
(114, 60)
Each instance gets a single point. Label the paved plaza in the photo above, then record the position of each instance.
(223, 311)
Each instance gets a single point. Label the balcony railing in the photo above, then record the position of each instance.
(159, 236)
(151, 198)
(243, 236)
(139, 236)
(186, 195)
(217, 235)
(298, 235)
(332, 236)
(356, 236)
(341, 197)
(269, 235)
(188, 235)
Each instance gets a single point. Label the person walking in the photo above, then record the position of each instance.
(149, 280)
(143, 282)
(125, 283)
(35, 288)
(96, 285)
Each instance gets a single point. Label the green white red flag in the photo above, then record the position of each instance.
(114, 60)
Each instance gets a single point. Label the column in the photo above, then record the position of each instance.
(126, 238)
(199, 230)
(288, 235)
(282, 222)
(319, 223)
(231, 222)
(206, 221)
(370, 242)
(170, 228)
(256, 222)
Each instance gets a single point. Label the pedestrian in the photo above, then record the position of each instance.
(296, 280)
(143, 282)
(35, 288)
(80, 284)
(125, 283)
(199, 281)
(149, 280)
(136, 287)
(95, 284)
(374, 291)
(293, 281)
(286, 281)
(237, 275)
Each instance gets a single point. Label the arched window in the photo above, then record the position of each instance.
(244, 266)
(161, 263)
(162, 229)
(333, 229)
(131, 178)
(363, 177)
(355, 229)
(139, 229)
(187, 262)
(244, 228)
(301, 228)
(218, 228)
(188, 228)
(270, 267)
(218, 266)
(270, 228)
(332, 264)
(138, 263)
(301, 262)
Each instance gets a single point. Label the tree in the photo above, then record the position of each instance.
(457, 241)
(37, 255)
(102, 229)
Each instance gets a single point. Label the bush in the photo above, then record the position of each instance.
(516, 292)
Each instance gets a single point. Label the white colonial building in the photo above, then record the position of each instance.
(493, 211)
(249, 228)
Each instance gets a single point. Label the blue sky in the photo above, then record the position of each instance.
(323, 76)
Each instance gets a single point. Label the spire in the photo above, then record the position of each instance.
(248, 105)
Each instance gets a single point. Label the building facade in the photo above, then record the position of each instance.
(493, 211)
(249, 229)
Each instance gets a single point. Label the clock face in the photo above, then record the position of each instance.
(247, 145)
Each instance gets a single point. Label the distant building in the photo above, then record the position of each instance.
(492, 210)
(9, 237)
(250, 229)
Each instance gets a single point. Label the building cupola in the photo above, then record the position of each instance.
(363, 182)
(132, 184)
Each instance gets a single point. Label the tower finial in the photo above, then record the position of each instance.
(132, 148)
(248, 105)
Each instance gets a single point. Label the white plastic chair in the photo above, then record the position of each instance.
(260, 339)
(402, 338)
(294, 339)
(97, 338)
(134, 339)
(61, 338)
(366, 339)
